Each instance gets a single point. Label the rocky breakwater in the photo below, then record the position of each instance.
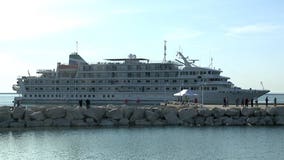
(109, 115)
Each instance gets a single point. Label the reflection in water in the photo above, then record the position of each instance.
(144, 143)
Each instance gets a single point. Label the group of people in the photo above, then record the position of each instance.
(88, 102)
(246, 101)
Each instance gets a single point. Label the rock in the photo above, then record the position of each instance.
(78, 113)
(106, 122)
(20, 124)
(233, 112)
(38, 116)
(187, 114)
(151, 116)
(247, 111)
(205, 112)
(228, 121)
(137, 114)
(97, 113)
(218, 121)
(159, 122)
(127, 112)
(123, 122)
(199, 121)
(209, 121)
(27, 114)
(55, 112)
(253, 120)
(78, 123)
(48, 122)
(218, 112)
(36, 123)
(18, 113)
(142, 122)
(61, 122)
(257, 112)
(171, 117)
(278, 111)
(115, 114)
(267, 120)
(239, 121)
(91, 122)
(4, 124)
(279, 120)
(5, 116)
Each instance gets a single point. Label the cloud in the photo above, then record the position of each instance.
(249, 29)
(31, 18)
(182, 34)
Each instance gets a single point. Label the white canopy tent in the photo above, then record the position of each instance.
(185, 92)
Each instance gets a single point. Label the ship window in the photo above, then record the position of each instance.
(80, 95)
(156, 81)
(25, 95)
(67, 81)
(156, 88)
(167, 88)
(41, 89)
(138, 81)
(31, 95)
(27, 88)
(67, 89)
(112, 95)
(148, 88)
(43, 95)
(35, 88)
(108, 95)
(94, 95)
(47, 95)
(174, 81)
(185, 81)
(35, 95)
(52, 95)
(57, 88)
(93, 81)
(104, 96)
(166, 80)
(89, 96)
(147, 81)
(57, 81)
(85, 96)
(39, 95)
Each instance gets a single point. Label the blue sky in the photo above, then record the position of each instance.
(244, 38)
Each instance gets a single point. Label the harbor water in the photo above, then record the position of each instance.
(157, 143)
(153, 143)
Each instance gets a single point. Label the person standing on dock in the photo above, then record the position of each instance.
(275, 101)
(251, 102)
(256, 102)
(237, 102)
(266, 101)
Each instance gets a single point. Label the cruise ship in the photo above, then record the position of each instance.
(129, 80)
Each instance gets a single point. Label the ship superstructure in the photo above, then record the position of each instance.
(129, 80)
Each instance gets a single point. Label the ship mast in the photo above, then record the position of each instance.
(76, 47)
(165, 51)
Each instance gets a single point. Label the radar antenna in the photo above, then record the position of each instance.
(186, 61)
(165, 51)
(262, 85)
(211, 63)
(76, 47)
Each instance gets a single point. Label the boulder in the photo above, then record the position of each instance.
(159, 122)
(28, 112)
(205, 112)
(209, 121)
(228, 121)
(218, 112)
(38, 116)
(19, 124)
(137, 114)
(151, 116)
(187, 114)
(127, 112)
(55, 112)
(253, 120)
(5, 116)
(106, 122)
(115, 114)
(257, 112)
(279, 120)
(78, 123)
(78, 113)
(247, 111)
(61, 122)
(48, 122)
(239, 121)
(123, 122)
(91, 122)
(278, 111)
(97, 113)
(233, 112)
(4, 124)
(267, 120)
(142, 122)
(18, 113)
(199, 121)
(36, 123)
(171, 117)
(218, 121)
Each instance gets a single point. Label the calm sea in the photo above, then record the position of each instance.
(7, 98)
(157, 143)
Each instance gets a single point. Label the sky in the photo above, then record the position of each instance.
(244, 38)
